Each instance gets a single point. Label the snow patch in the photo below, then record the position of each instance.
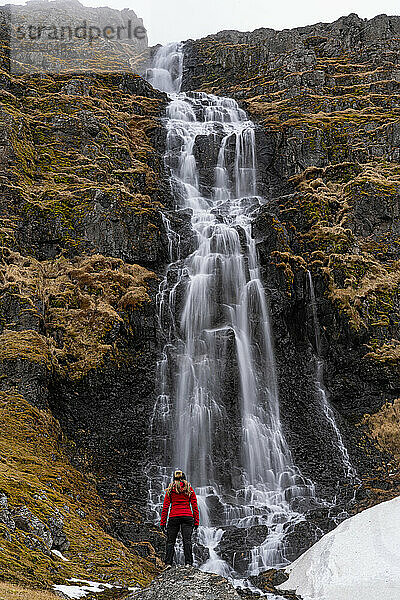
(358, 559)
(58, 553)
(80, 591)
(71, 591)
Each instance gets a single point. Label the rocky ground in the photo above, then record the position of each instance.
(189, 583)
(192, 584)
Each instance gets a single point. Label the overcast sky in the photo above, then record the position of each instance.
(176, 20)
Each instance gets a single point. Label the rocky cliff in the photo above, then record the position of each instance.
(326, 98)
(83, 246)
(65, 36)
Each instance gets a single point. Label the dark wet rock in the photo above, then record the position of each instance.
(120, 450)
(129, 532)
(183, 239)
(201, 553)
(117, 231)
(189, 583)
(236, 544)
(215, 508)
(300, 538)
(31, 380)
(206, 153)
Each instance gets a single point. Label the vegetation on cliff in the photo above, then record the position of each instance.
(79, 306)
(35, 473)
(326, 100)
(81, 186)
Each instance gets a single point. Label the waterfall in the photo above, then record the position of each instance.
(348, 468)
(166, 72)
(217, 414)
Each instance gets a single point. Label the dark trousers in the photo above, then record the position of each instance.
(185, 524)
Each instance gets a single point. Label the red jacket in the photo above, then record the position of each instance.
(181, 504)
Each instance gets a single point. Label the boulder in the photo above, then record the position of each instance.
(56, 527)
(188, 583)
(5, 513)
(29, 523)
(236, 544)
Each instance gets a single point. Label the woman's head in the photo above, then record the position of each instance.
(179, 475)
(179, 483)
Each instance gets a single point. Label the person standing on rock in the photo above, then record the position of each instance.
(180, 497)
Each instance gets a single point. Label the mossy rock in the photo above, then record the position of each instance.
(35, 472)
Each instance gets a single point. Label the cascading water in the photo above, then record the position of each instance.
(348, 468)
(217, 414)
(166, 72)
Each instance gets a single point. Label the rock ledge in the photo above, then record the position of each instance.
(188, 583)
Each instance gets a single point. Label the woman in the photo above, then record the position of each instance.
(184, 516)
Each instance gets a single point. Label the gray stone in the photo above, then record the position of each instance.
(60, 540)
(3, 502)
(33, 542)
(187, 583)
(5, 514)
(29, 523)
(77, 87)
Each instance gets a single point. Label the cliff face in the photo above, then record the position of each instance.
(82, 247)
(65, 36)
(326, 98)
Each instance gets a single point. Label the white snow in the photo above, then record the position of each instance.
(358, 559)
(58, 553)
(80, 591)
(71, 591)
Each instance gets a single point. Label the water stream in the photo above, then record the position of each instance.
(217, 414)
(322, 393)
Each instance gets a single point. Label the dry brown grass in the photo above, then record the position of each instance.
(369, 288)
(35, 472)
(384, 427)
(389, 352)
(78, 302)
(15, 592)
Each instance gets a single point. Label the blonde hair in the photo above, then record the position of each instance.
(176, 485)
